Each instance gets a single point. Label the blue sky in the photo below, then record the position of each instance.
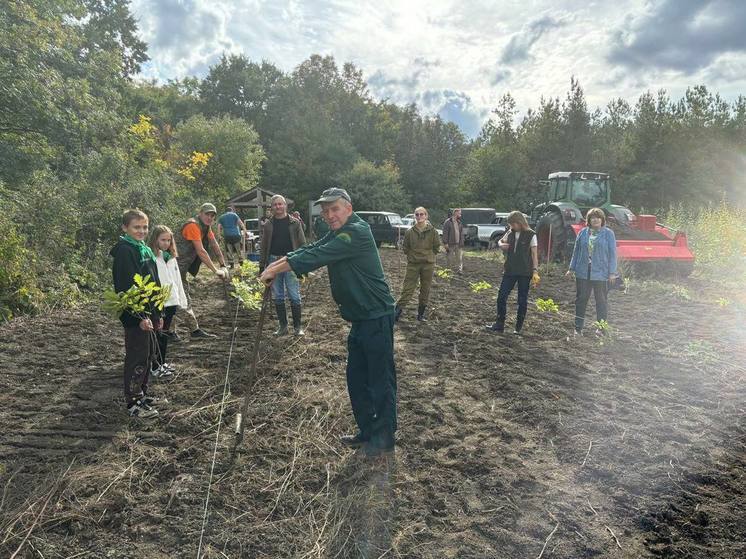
(456, 58)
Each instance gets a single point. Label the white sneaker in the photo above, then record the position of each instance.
(161, 372)
(142, 410)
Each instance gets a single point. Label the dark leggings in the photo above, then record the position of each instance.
(168, 316)
(583, 290)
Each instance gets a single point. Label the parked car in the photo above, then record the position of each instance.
(487, 235)
(387, 227)
(408, 221)
(475, 216)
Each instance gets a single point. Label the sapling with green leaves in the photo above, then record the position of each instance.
(138, 300)
(247, 287)
(478, 286)
(547, 305)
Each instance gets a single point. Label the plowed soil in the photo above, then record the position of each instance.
(630, 445)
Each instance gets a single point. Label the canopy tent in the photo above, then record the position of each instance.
(257, 199)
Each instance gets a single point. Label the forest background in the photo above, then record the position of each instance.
(81, 139)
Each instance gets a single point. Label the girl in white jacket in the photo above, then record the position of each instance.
(164, 247)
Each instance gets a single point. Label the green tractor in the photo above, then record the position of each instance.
(641, 240)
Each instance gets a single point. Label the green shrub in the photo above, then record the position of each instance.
(18, 288)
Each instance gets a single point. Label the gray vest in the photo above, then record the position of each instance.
(188, 259)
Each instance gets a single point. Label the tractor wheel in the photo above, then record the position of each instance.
(558, 251)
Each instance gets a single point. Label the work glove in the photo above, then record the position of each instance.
(222, 273)
(535, 279)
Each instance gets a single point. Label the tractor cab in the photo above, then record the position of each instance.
(585, 190)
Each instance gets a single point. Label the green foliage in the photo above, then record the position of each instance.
(236, 157)
(138, 299)
(547, 305)
(18, 287)
(246, 286)
(478, 286)
(374, 188)
(722, 302)
(444, 273)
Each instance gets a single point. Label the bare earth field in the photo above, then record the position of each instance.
(508, 447)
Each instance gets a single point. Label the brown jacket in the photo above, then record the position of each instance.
(297, 237)
(449, 233)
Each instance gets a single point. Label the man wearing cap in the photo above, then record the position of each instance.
(191, 240)
(362, 295)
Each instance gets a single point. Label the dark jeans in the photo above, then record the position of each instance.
(371, 377)
(583, 290)
(506, 287)
(139, 347)
(168, 317)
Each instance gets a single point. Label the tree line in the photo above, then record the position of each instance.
(81, 138)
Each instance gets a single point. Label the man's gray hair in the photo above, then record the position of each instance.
(278, 197)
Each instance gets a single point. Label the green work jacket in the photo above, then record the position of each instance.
(355, 272)
(421, 246)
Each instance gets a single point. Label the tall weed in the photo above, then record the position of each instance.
(716, 235)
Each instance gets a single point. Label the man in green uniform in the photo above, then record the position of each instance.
(362, 295)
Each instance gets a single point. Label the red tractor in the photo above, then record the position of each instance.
(642, 242)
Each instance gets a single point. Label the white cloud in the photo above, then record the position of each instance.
(453, 57)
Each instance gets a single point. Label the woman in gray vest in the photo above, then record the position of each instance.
(521, 267)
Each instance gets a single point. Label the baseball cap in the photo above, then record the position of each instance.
(207, 208)
(333, 194)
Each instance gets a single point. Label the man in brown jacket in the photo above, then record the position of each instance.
(282, 234)
(453, 239)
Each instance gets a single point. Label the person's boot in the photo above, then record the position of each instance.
(519, 323)
(297, 326)
(497, 326)
(421, 313)
(282, 317)
(354, 441)
(397, 316)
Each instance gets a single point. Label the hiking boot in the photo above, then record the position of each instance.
(495, 327)
(353, 441)
(297, 325)
(199, 333)
(282, 318)
(421, 313)
(397, 316)
(379, 444)
(142, 410)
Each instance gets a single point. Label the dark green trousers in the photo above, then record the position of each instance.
(422, 273)
(371, 376)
